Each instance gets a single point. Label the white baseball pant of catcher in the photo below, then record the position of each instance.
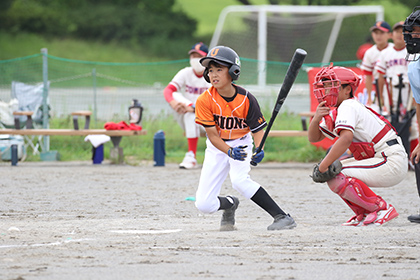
(383, 170)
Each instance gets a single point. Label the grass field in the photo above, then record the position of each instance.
(208, 14)
(138, 149)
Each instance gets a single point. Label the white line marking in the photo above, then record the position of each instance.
(136, 231)
(45, 244)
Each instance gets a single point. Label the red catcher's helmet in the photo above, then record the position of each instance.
(336, 77)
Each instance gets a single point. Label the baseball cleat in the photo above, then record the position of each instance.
(373, 216)
(282, 222)
(355, 221)
(189, 161)
(228, 218)
(383, 216)
(414, 218)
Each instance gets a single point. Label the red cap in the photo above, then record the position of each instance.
(398, 24)
(199, 48)
(381, 25)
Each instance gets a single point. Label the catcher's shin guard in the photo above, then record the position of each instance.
(360, 198)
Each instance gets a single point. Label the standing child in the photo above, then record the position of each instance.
(380, 34)
(392, 67)
(181, 94)
(379, 157)
(230, 114)
(412, 40)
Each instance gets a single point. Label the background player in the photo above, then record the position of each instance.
(392, 67)
(380, 34)
(230, 114)
(181, 94)
(383, 164)
(412, 40)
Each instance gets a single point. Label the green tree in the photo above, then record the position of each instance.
(149, 23)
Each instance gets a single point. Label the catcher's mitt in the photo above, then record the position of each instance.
(333, 170)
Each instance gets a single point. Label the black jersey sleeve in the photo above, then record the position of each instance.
(255, 118)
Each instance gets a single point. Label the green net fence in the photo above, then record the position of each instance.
(107, 89)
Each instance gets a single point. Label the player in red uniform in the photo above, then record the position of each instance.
(231, 117)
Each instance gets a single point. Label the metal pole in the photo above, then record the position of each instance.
(262, 47)
(333, 38)
(95, 108)
(45, 120)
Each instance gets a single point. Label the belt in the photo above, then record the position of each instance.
(392, 142)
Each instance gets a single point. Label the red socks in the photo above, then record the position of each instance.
(192, 144)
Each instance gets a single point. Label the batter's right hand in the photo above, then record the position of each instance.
(237, 153)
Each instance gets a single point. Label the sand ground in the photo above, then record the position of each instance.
(76, 220)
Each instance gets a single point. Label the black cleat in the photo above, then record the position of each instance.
(228, 219)
(414, 218)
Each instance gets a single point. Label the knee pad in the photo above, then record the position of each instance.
(357, 193)
(337, 183)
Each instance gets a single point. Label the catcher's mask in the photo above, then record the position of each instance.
(223, 56)
(412, 44)
(328, 83)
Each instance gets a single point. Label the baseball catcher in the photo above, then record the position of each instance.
(379, 158)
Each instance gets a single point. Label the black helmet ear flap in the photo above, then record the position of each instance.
(206, 75)
(234, 72)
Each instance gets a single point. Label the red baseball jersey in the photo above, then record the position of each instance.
(233, 117)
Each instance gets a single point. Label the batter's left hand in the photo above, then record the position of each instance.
(237, 153)
(258, 157)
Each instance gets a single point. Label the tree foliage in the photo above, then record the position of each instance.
(409, 3)
(148, 22)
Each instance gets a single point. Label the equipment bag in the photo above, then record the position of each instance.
(6, 142)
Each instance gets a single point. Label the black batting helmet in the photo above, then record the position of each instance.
(223, 56)
(412, 44)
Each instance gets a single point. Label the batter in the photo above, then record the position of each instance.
(379, 158)
(231, 117)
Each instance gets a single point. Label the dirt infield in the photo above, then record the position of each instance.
(75, 220)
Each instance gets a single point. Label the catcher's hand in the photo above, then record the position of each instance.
(333, 170)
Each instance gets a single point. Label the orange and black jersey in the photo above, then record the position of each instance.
(233, 117)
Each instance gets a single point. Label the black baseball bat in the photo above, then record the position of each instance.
(378, 95)
(291, 74)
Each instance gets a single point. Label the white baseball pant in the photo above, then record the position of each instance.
(216, 166)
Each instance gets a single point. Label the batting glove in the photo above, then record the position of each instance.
(237, 153)
(257, 157)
